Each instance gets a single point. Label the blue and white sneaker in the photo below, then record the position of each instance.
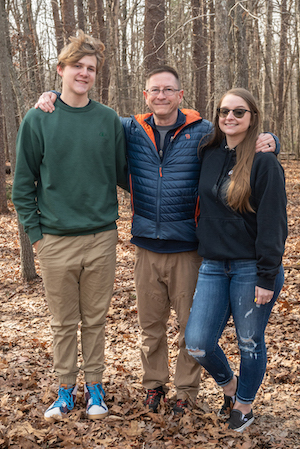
(65, 402)
(95, 405)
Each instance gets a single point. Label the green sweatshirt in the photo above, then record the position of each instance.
(68, 166)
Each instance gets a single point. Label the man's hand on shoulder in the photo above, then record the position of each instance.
(46, 102)
(265, 143)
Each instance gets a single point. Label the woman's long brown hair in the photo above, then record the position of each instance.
(239, 190)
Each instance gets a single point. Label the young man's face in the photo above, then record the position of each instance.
(79, 78)
(164, 107)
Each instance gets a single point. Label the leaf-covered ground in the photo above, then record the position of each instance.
(28, 384)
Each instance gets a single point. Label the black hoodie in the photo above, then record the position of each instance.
(226, 234)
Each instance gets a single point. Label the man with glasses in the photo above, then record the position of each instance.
(164, 173)
(163, 176)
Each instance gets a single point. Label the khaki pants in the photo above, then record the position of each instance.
(162, 281)
(78, 273)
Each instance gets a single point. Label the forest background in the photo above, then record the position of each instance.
(214, 45)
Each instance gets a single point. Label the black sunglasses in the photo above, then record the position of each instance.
(238, 113)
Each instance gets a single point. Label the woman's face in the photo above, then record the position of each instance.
(234, 128)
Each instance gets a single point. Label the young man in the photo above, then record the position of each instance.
(164, 174)
(68, 166)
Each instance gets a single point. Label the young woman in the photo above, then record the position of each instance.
(242, 231)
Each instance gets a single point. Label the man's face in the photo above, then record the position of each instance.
(163, 106)
(79, 78)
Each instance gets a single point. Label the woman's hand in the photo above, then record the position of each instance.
(263, 296)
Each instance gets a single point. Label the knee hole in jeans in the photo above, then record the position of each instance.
(248, 345)
(197, 352)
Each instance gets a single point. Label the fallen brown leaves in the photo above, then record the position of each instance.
(28, 384)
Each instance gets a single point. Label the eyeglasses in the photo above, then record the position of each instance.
(238, 113)
(168, 91)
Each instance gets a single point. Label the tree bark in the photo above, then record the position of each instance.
(93, 17)
(298, 73)
(127, 106)
(154, 34)
(81, 19)
(105, 72)
(113, 98)
(31, 60)
(200, 56)
(267, 73)
(58, 26)
(3, 200)
(68, 18)
(211, 39)
(281, 69)
(27, 259)
(254, 59)
(222, 68)
(240, 48)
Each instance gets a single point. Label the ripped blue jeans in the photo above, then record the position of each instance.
(227, 288)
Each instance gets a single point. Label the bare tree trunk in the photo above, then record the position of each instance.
(113, 98)
(137, 79)
(68, 18)
(81, 20)
(105, 72)
(58, 26)
(31, 60)
(254, 59)
(211, 38)
(29, 53)
(267, 74)
(93, 20)
(281, 69)
(154, 34)
(18, 98)
(230, 43)
(200, 56)
(93, 17)
(222, 69)
(3, 200)
(125, 79)
(298, 73)
(240, 49)
(27, 259)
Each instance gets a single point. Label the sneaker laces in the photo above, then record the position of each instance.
(152, 396)
(64, 397)
(182, 403)
(180, 406)
(96, 393)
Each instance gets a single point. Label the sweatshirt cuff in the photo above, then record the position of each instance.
(35, 234)
(267, 283)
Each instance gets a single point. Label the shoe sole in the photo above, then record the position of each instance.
(244, 426)
(53, 418)
(95, 417)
